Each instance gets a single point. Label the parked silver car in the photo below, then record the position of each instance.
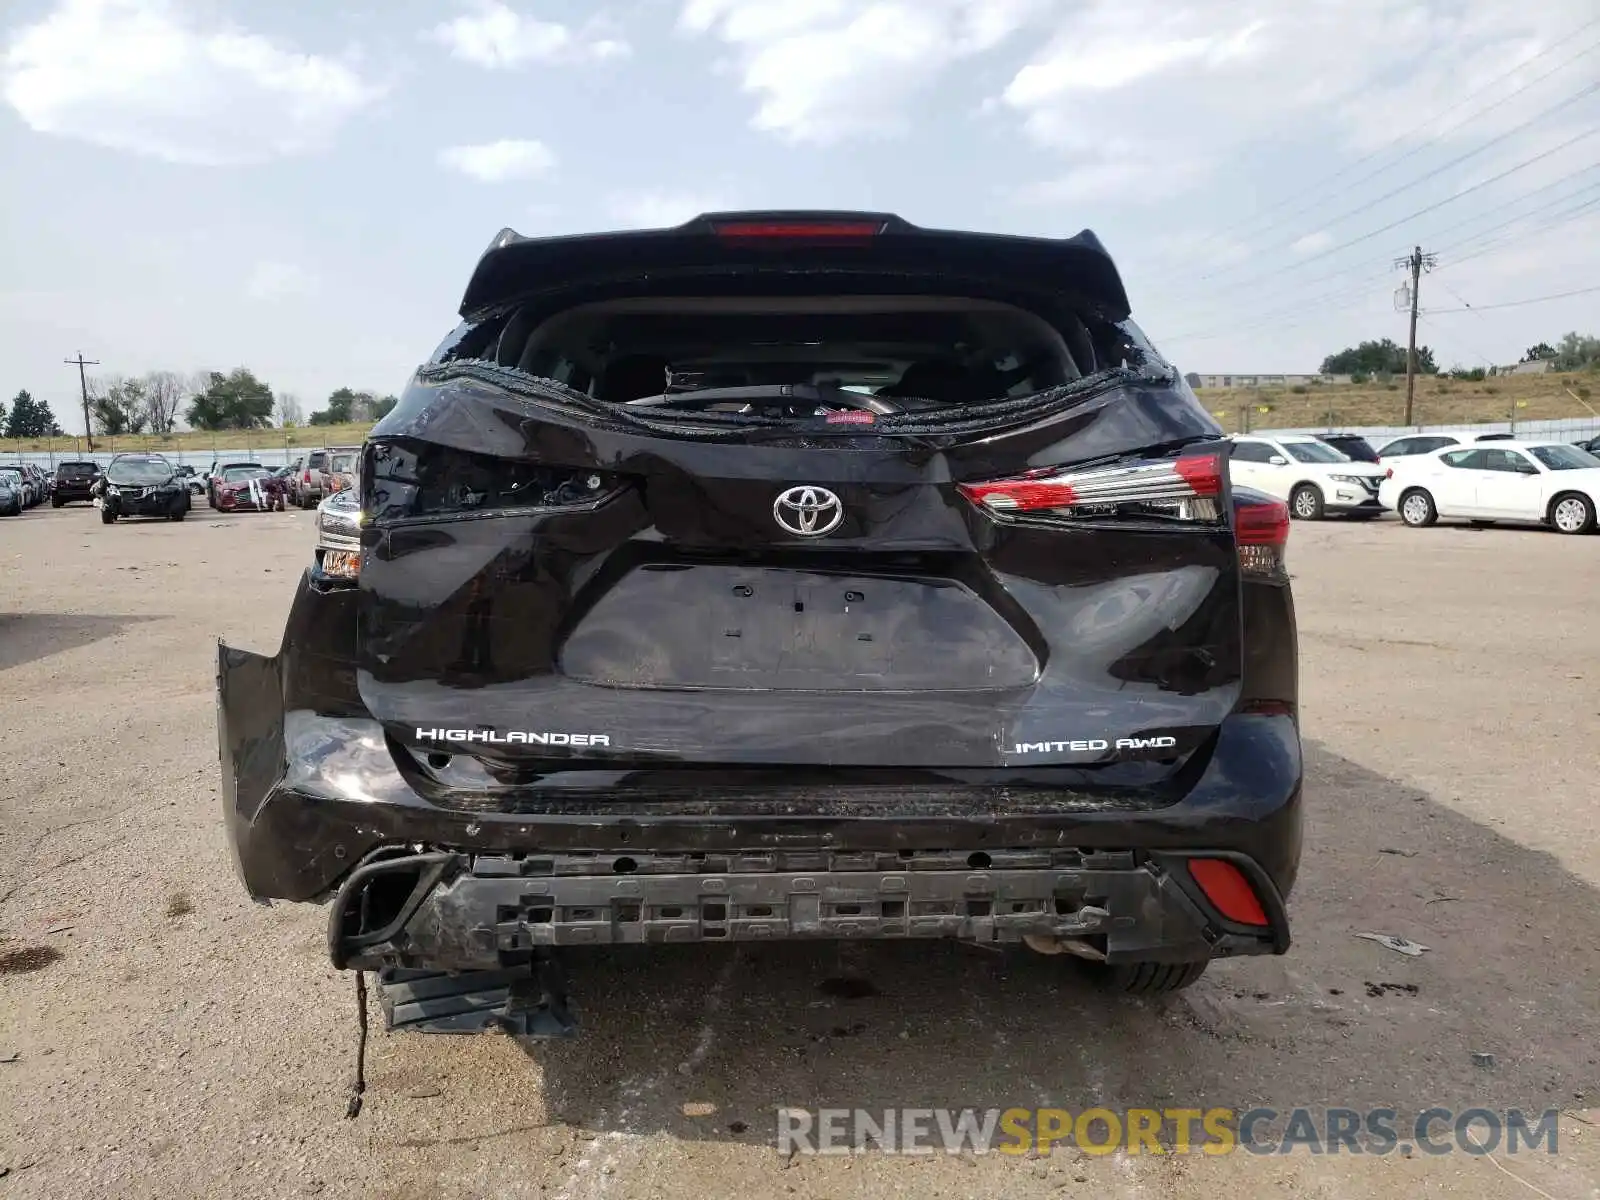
(318, 474)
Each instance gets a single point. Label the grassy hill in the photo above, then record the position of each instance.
(197, 442)
(1439, 401)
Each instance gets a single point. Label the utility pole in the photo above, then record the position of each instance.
(1417, 262)
(83, 384)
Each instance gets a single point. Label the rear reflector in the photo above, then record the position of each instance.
(1228, 890)
(812, 230)
(1185, 488)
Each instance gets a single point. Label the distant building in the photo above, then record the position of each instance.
(1258, 381)
(1537, 367)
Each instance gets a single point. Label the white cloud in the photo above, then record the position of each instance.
(270, 280)
(654, 209)
(138, 76)
(496, 162)
(827, 70)
(1312, 242)
(498, 37)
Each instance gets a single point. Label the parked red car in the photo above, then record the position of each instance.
(249, 489)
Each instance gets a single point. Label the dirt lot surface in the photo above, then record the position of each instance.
(161, 1036)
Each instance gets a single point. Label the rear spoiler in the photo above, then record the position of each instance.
(514, 267)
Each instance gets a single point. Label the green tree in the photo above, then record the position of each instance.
(1542, 350)
(346, 405)
(1576, 352)
(237, 400)
(119, 406)
(30, 418)
(1377, 358)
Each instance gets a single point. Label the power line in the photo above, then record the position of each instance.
(1382, 229)
(1318, 187)
(1460, 158)
(1434, 312)
(1439, 336)
(1516, 200)
(1520, 217)
(1292, 288)
(1572, 99)
(1553, 222)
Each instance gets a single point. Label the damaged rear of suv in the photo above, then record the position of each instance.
(794, 575)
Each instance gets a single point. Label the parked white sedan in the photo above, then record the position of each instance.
(1541, 483)
(1305, 472)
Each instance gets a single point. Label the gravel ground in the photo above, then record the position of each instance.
(161, 1036)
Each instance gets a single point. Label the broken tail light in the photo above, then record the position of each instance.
(1186, 488)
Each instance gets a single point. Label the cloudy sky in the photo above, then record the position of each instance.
(303, 187)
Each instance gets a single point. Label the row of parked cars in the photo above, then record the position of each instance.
(1482, 478)
(151, 484)
(22, 486)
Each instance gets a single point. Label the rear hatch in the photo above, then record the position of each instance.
(784, 573)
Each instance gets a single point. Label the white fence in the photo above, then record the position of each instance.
(1567, 429)
(268, 454)
(276, 454)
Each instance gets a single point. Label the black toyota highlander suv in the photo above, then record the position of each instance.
(780, 575)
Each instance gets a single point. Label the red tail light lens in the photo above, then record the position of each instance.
(1262, 524)
(1262, 533)
(1185, 488)
(306, 477)
(1228, 890)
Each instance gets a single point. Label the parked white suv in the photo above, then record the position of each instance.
(1312, 477)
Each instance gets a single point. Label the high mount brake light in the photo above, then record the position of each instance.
(804, 230)
(1186, 488)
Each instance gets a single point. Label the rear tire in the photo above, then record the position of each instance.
(1305, 502)
(1417, 509)
(107, 517)
(56, 501)
(1155, 978)
(1572, 512)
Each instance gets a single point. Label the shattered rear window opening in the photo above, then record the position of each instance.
(896, 358)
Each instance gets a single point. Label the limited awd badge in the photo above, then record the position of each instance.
(807, 511)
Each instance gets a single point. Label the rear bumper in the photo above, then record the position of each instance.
(314, 801)
(449, 911)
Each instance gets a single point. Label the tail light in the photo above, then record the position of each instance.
(306, 477)
(1388, 473)
(1261, 529)
(1188, 488)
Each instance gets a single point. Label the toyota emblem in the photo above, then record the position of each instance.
(807, 511)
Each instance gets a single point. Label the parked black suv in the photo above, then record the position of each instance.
(1352, 445)
(141, 485)
(776, 576)
(74, 481)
